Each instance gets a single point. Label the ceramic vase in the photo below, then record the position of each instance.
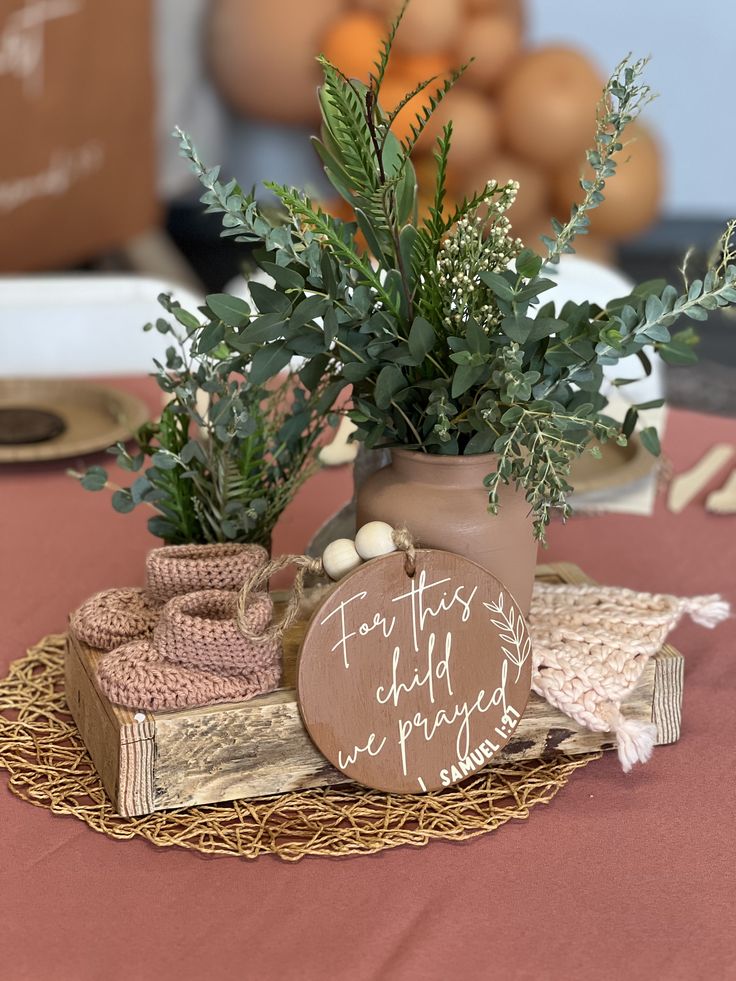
(443, 503)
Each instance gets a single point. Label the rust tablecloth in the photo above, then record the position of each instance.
(620, 877)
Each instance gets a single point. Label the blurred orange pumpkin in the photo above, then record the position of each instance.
(475, 127)
(418, 68)
(428, 26)
(548, 105)
(494, 40)
(352, 43)
(393, 90)
(387, 8)
(262, 56)
(513, 7)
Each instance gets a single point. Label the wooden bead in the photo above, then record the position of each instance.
(374, 539)
(340, 557)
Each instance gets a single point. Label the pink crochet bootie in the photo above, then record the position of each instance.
(197, 656)
(199, 631)
(115, 616)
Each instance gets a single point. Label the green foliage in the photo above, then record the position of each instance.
(442, 328)
(228, 452)
(622, 101)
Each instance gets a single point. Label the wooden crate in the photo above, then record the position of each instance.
(151, 761)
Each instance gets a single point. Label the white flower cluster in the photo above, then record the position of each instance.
(481, 240)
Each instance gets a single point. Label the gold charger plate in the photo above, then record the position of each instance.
(617, 467)
(95, 416)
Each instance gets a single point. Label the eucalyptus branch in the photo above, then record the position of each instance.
(534, 453)
(623, 99)
(626, 331)
(227, 199)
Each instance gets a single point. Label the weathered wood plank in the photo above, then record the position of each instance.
(153, 761)
(121, 743)
(667, 698)
(97, 726)
(137, 756)
(224, 755)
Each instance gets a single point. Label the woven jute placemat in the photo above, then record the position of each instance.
(49, 767)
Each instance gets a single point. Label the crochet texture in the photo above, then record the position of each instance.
(196, 656)
(115, 616)
(590, 645)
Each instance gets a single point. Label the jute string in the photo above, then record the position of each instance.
(405, 543)
(305, 566)
(49, 767)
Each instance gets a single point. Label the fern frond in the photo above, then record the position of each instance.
(385, 54)
(332, 229)
(345, 119)
(434, 224)
(439, 222)
(430, 235)
(391, 116)
(428, 110)
(379, 207)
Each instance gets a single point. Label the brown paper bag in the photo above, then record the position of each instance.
(77, 167)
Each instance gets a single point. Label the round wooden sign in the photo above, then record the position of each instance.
(409, 683)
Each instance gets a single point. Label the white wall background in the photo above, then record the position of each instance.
(693, 48)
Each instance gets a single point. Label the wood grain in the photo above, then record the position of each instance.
(152, 761)
(94, 716)
(408, 682)
(669, 674)
(121, 744)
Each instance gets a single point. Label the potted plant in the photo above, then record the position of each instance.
(485, 392)
(229, 451)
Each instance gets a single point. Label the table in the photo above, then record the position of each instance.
(619, 877)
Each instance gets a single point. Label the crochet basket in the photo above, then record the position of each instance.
(152, 761)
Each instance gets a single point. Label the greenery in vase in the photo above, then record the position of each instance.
(440, 324)
(226, 455)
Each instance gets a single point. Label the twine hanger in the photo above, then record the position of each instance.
(305, 565)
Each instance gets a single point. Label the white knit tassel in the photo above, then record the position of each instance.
(708, 611)
(634, 740)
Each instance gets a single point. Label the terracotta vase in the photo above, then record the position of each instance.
(443, 503)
